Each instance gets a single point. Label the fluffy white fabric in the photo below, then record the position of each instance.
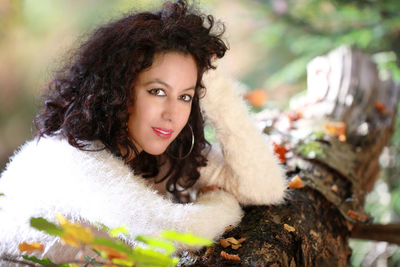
(49, 176)
(248, 168)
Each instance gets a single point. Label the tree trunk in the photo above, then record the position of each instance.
(355, 110)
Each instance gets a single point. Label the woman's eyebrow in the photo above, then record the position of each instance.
(156, 80)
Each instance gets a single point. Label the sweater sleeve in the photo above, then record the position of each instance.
(244, 164)
(96, 187)
(133, 203)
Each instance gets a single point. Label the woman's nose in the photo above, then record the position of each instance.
(170, 110)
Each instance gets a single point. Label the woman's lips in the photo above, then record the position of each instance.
(163, 133)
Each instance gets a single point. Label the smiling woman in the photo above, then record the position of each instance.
(121, 137)
(162, 101)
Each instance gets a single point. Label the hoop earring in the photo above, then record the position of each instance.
(190, 150)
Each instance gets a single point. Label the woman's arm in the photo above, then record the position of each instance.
(97, 187)
(248, 168)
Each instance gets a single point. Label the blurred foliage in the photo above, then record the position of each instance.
(295, 31)
(148, 251)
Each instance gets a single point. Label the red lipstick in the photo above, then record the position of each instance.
(163, 133)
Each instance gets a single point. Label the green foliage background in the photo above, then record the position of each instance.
(36, 35)
(295, 31)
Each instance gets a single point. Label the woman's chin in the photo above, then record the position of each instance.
(155, 151)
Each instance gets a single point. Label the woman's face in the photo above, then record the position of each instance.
(162, 101)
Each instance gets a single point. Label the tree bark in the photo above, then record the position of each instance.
(338, 168)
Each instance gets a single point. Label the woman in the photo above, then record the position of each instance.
(121, 132)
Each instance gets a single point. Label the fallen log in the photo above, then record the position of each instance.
(334, 136)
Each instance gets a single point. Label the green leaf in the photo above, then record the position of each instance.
(102, 227)
(155, 243)
(186, 238)
(42, 224)
(117, 245)
(44, 261)
(149, 257)
(1, 194)
(123, 262)
(311, 149)
(115, 232)
(317, 135)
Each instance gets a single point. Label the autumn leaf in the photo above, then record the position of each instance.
(232, 257)
(296, 182)
(241, 240)
(380, 106)
(289, 228)
(26, 247)
(74, 232)
(280, 151)
(257, 97)
(228, 229)
(70, 240)
(232, 240)
(224, 243)
(110, 253)
(355, 216)
(236, 247)
(336, 129)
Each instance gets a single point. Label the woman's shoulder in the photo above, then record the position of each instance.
(53, 158)
(42, 150)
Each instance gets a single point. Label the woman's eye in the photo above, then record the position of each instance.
(186, 98)
(157, 92)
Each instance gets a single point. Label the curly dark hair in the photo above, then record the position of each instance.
(88, 99)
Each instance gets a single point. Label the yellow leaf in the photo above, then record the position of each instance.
(123, 262)
(115, 232)
(289, 228)
(26, 247)
(296, 182)
(224, 243)
(74, 230)
(232, 240)
(70, 240)
(236, 247)
(336, 129)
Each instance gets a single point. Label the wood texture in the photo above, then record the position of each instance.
(312, 228)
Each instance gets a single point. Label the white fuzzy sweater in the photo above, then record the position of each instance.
(49, 176)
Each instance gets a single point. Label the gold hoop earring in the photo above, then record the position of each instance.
(190, 150)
